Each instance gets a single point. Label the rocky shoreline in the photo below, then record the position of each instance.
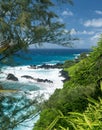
(63, 73)
(14, 78)
(47, 66)
(58, 66)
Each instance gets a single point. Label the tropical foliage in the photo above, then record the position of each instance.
(91, 119)
(72, 106)
(14, 110)
(27, 22)
(89, 69)
(22, 23)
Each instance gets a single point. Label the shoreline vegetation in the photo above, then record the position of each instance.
(74, 106)
(73, 103)
(11, 77)
(78, 105)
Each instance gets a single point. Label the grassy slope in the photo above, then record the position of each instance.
(85, 76)
(70, 98)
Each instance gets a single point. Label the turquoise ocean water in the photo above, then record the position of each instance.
(26, 88)
(47, 56)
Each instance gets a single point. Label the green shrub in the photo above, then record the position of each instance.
(85, 82)
(91, 119)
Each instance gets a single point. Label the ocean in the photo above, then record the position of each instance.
(27, 89)
(47, 56)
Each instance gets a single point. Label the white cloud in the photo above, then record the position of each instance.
(85, 43)
(66, 31)
(95, 37)
(60, 20)
(84, 32)
(68, 13)
(98, 12)
(93, 23)
(73, 31)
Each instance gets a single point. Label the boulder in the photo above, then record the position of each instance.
(27, 77)
(33, 67)
(47, 66)
(44, 80)
(11, 77)
(65, 75)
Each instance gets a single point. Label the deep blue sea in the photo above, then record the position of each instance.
(47, 56)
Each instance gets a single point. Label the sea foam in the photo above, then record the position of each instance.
(46, 88)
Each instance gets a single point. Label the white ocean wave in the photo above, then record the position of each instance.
(41, 73)
(53, 62)
(45, 88)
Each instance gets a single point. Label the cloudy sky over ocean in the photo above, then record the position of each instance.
(84, 19)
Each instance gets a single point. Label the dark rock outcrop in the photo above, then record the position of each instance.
(65, 75)
(44, 80)
(33, 67)
(11, 77)
(37, 79)
(47, 66)
(27, 76)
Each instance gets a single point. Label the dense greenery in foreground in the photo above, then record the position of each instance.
(78, 106)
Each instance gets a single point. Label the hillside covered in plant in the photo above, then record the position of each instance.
(78, 106)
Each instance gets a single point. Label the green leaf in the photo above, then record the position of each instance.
(53, 123)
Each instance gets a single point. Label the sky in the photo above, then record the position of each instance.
(84, 20)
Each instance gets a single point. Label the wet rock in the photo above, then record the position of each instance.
(44, 80)
(65, 75)
(27, 77)
(46, 66)
(11, 77)
(33, 67)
